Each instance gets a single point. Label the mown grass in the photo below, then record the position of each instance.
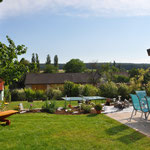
(39, 104)
(43, 131)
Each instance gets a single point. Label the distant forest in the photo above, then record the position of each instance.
(126, 66)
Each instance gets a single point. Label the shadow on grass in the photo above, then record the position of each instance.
(131, 138)
(116, 129)
(92, 115)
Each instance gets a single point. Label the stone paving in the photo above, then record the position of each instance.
(137, 123)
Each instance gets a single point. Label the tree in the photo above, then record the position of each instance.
(1, 1)
(95, 74)
(56, 61)
(33, 58)
(133, 72)
(74, 66)
(25, 62)
(10, 68)
(50, 69)
(33, 66)
(48, 60)
(37, 63)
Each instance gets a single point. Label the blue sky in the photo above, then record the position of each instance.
(91, 30)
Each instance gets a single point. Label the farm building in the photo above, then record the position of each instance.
(43, 81)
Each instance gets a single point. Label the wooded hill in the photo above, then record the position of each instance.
(126, 66)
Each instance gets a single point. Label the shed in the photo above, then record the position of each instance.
(44, 81)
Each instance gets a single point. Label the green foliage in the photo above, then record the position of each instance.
(107, 71)
(146, 77)
(86, 108)
(50, 69)
(74, 66)
(18, 95)
(40, 95)
(68, 86)
(89, 90)
(49, 106)
(71, 89)
(48, 60)
(33, 67)
(133, 72)
(2, 105)
(10, 68)
(120, 79)
(33, 58)
(34, 64)
(108, 89)
(7, 94)
(56, 61)
(136, 82)
(98, 107)
(148, 88)
(75, 90)
(57, 94)
(37, 63)
(85, 91)
(123, 91)
(49, 93)
(30, 94)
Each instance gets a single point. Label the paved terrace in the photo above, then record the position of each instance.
(136, 123)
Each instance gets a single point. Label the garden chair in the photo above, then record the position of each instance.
(141, 95)
(137, 106)
(148, 103)
(142, 98)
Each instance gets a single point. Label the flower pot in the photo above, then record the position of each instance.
(98, 111)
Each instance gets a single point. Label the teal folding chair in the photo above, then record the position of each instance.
(148, 103)
(137, 106)
(142, 98)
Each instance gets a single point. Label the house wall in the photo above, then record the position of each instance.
(44, 86)
(39, 87)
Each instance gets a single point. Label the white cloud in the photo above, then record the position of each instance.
(76, 7)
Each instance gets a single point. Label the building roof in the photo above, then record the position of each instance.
(56, 78)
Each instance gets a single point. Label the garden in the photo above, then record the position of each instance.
(45, 121)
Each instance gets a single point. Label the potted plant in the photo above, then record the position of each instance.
(98, 108)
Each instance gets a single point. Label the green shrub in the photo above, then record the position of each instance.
(18, 95)
(49, 93)
(49, 106)
(57, 94)
(85, 91)
(68, 86)
(40, 95)
(98, 107)
(148, 89)
(89, 90)
(86, 108)
(121, 79)
(7, 95)
(123, 91)
(75, 90)
(108, 89)
(30, 94)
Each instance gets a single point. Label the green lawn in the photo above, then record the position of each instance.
(38, 104)
(43, 131)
